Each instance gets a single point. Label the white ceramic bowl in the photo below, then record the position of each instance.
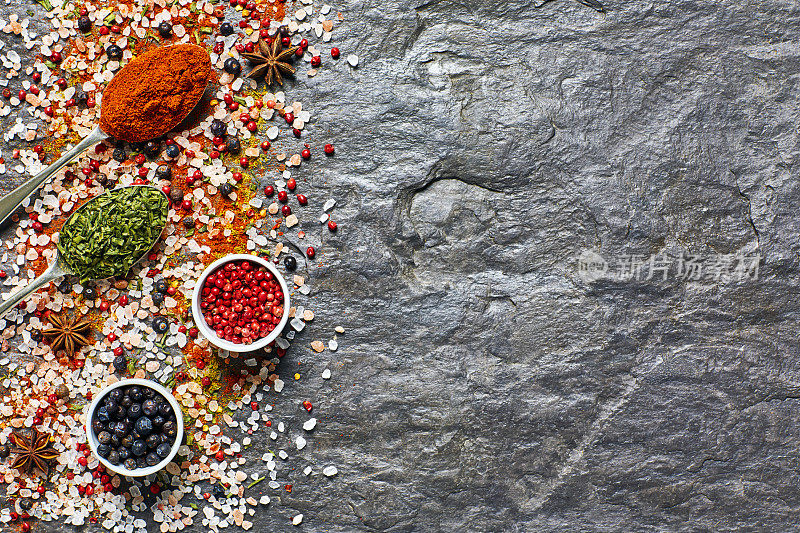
(210, 334)
(92, 438)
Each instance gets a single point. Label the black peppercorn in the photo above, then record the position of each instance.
(173, 151)
(4, 451)
(120, 363)
(218, 128)
(36, 335)
(119, 155)
(160, 323)
(81, 97)
(158, 299)
(226, 189)
(226, 28)
(290, 263)
(233, 145)
(26, 504)
(161, 286)
(232, 66)
(84, 24)
(90, 293)
(165, 29)
(65, 286)
(163, 172)
(188, 222)
(284, 31)
(176, 195)
(114, 52)
(152, 149)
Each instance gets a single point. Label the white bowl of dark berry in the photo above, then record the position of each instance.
(134, 427)
(240, 303)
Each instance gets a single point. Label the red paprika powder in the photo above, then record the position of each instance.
(154, 92)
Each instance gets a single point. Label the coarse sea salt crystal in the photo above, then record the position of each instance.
(297, 519)
(300, 442)
(310, 424)
(326, 374)
(307, 470)
(330, 471)
(329, 204)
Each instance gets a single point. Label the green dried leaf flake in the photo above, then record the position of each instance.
(109, 234)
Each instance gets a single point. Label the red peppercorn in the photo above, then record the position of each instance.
(244, 162)
(104, 306)
(304, 44)
(316, 61)
(286, 41)
(335, 53)
(143, 171)
(252, 126)
(310, 252)
(193, 333)
(298, 52)
(155, 488)
(116, 29)
(329, 149)
(249, 47)
(237, 176)
(289, 117)
(56, 57)
(37, 226)
(218, 47)
(220, 456)
(186, 205)
(49, 111)
(111, 337)
(332, 225)
(62, 83)
(288, 487)
(90, 102)
(307, 406)
(140, 159)
(269, 190)
(36, 77)
(306, 153)
(172, 291)
(283, 196)
(103, 30)
(291, 184)
(123, 300)
(3, 274)
(254, 406)
(206, 381)
(265, 145)
(82, 461)
(22, 94)
(213, 154)
(286, 210)
(301, 199)
(26, 526)
(34, 90)
(297, 133)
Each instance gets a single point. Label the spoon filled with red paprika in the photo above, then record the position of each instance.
(150, 96)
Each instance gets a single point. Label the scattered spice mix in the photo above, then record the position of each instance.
(221, 176)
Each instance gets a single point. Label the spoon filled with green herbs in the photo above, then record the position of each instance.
(105, 237)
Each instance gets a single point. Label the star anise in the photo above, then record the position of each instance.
(33, 452)
(271, 60)
(67, 334)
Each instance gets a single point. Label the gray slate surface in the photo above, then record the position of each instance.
(482, 385)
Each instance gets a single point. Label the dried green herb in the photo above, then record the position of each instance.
(109, 234)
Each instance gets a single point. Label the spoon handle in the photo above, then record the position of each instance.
(12, 200)
(53, 272)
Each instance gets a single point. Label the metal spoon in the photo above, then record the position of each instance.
(58, 268)
(10, 202)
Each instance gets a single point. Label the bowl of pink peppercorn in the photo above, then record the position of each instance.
(241, 303)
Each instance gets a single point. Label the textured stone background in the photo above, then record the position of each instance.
(481, 384)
